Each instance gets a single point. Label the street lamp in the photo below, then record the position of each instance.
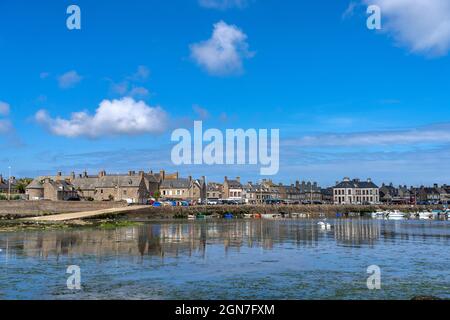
(9, 184)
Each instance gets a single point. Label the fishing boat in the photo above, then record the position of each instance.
(257, 216)
(271, 216)
(396, 215)
(228, 216)
(200, 217)
(378, 214)
(248, 216)
(191, 217)
(424, 215)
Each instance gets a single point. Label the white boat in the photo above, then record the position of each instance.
(396, 215)
(379, 214)
(425, 215)
(271, 216)
(191, 217)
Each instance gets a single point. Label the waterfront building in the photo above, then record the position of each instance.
(233, 189)
(356, 192)
(8, 185)
(176, 188)
(310, 192)
(214, 191)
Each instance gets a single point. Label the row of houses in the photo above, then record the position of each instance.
(139, 187)
(415, 195)
(10, 185)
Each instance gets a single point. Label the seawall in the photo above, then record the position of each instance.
(311, 210)
(22, 209)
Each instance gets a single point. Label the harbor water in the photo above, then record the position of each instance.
(235, 259)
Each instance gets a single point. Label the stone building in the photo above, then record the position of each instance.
(176, 188)
(233, 189)
(356, 192)
(214, 191)
(129, 187)
(261, 193)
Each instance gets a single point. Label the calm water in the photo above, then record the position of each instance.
(286, 259)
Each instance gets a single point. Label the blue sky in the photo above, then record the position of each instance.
(348, 101)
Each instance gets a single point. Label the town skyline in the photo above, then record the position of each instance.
(347, 100)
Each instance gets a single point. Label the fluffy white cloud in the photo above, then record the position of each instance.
(5, 126)
(4, 108)
(224, 52)
(421, 25)
(435, 134)
(223, 4)
(69, 79)
(117, 117)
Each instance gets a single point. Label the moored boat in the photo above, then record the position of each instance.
(396, 215)
(271, 216)
(228, 216)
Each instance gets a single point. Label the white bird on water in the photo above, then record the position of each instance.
(324, 226)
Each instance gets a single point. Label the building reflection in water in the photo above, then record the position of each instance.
(183, 238)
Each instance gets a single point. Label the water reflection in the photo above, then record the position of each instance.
(174, 239)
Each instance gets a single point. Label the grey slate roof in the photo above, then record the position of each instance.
(356, 184)
(112, 181)
(35, 184)
(180, 183)
(87, 183)
(234, 184)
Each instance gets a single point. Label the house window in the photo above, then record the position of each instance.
(125, 192)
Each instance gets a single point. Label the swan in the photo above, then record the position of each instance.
(324, 226)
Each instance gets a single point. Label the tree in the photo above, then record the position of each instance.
(157, 195)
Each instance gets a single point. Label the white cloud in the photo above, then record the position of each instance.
(223, 4)
(142, 73)
(423, 26)
(5, 126)
(139, 92)
(128, 86)
(4, 108)
(202, 113)
(350, 11)
(223, 53)
(69, 79)
(436, 134)
(117, 117)
(44, 75)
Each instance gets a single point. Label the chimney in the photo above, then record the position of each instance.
(347, 179)
(369, 180)
(436, 185)
(72, 175)
(226, 178)
(85, 174)
(141, 174)
(238, 179)
(297, 184)
(130, 173)
(190, 179)
(1, 178)
(102, 173)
